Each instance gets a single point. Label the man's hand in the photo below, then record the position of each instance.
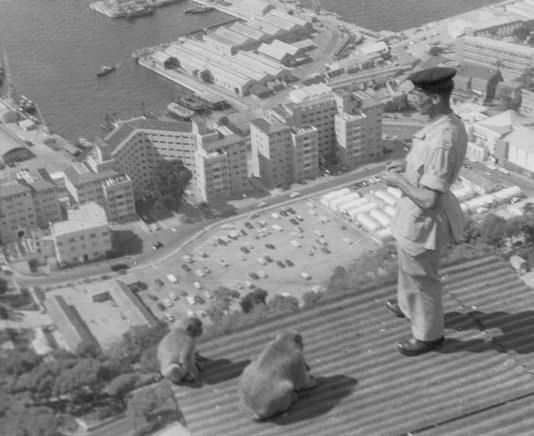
(393, 178)
(397, 166)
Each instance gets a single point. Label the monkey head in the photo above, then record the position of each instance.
(292, 337)
(193, 326)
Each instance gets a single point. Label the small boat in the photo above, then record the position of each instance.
(105, 69)
(199, 9)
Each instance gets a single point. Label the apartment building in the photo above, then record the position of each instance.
(315, 106)
(45, 195)
(304, 153)
(85, 236)
(358, 128)
(108, 188)
(220, 169)
(119, 201)
(283, 154)
(136, 147)
(17, 210)
(510, 58)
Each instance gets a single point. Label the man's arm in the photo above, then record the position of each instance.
(424, 197)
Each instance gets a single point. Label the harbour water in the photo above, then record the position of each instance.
(55, 48)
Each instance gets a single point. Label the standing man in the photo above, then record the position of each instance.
(428, 215)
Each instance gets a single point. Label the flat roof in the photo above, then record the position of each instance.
(84, 217)
(269, 125)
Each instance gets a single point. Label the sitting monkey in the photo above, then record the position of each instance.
(269, 384)
(176, 352)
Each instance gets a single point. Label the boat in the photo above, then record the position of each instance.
(105, 69)
(27, 105)
(139, 11)
(180, 111)
(199, 9)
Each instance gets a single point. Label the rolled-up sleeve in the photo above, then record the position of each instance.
(437, 169)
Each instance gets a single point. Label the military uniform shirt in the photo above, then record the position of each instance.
(434, 161)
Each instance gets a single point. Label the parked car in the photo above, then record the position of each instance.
(271, 246)
(160, 305)
(119, 266)
(243, 232)
(249, 226)
(169, 318)
(186, 268)
(153, 297)
(222, 262)
(254, 276)
(280, 264)
(289, 263)
(167, 302)
(325, 250)
(158, 245)
(290, 210)
(268, 259)
(245, 250)
(159, 282)
(172, 278)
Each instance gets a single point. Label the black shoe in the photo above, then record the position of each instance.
(415, 347)
(394, 308)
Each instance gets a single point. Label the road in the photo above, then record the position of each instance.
(189, 232)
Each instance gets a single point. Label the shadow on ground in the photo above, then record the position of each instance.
(318, 401)
(125, 242)
(516, 331)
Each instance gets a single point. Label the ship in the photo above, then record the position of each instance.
(105, 69)
(139, 11)
(180, 111)
(199, 9)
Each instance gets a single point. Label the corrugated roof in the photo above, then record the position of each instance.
(368, 388)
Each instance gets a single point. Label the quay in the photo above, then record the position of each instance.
(191, 84)
(115, 10)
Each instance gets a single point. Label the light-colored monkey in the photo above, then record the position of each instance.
(176, 351)
(269, 384)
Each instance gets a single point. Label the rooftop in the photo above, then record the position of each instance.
(277, 49)
(117, 136)
(480, 382)
(269, 126)
(9, 188)
(86, 216)
(309, 92)
(80, 174)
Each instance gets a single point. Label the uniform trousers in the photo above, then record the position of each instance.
(419, 293)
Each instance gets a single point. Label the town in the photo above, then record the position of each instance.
(255, 204)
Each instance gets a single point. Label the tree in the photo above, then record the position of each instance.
(206, 76)
(521, 33)
(19, 361)
(81, 381)
(311, 298)
(135, 341)
(172, 178)
(257, 297)
(121, 385)
(40, 381)
(493, 229)
(4, 287)
(32, 421)
(152, 407)
(281, 303)
(33, 263)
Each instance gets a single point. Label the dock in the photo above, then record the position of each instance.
(191, 84)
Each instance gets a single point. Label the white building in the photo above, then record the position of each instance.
(83, 237)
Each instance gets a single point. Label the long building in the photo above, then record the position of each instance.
(510, 58)
(136, 147)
